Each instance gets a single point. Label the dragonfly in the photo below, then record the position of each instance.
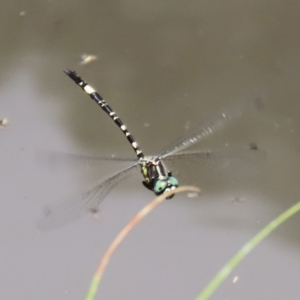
(155, 173)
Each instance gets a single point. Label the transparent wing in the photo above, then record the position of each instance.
(215, 122)
(72, 210)
(54, 158)
(194, 162)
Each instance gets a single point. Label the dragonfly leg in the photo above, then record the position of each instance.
(147, 185)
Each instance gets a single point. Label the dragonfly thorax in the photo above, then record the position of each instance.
(157, 177)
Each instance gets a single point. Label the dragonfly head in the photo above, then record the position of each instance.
(164, 185)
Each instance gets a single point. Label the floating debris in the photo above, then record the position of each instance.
(235, 279)
(187, 125)
(237, 200)
(94, 210)
(253, 146)
(22, 13)
(193, 195)
(87, 59)
(4, 122)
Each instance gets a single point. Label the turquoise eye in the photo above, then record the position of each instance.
(160, 186)
(173, 181)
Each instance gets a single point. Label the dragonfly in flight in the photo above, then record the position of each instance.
(156, 175)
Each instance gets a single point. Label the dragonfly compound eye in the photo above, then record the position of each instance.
(173, 181)
(160, 186)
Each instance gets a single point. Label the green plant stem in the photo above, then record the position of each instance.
(247, 248)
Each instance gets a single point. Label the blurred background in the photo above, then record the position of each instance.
(162, 66)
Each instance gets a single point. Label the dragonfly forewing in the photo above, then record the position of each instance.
(89, 201)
